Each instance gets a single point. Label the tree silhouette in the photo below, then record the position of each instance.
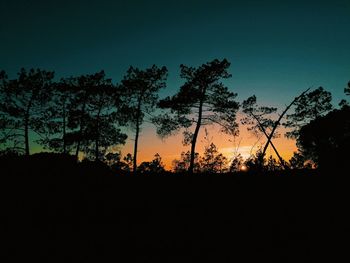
(326, 139)
(54, 124)
(7, 125)
(182, 165)
(347, 89)
(213, 161)
(128, 159)
(256, 162)
(309, 106)
(140, 88)
(93, 116)
(113, 158)
(298, 161)
(202, 100)
(77, 118)
(260, 121)
(23, 104)
(343, 102)
(236, 163)
(272, 165)
(156, 166)
(275, 126)
(4, 126)
(114, 161)
(101, 130)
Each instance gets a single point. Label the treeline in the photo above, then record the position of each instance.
(87, 115)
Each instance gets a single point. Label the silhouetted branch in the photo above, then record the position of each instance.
(277, 123)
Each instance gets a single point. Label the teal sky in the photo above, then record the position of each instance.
(277, 48)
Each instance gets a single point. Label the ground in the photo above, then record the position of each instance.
(85, 213)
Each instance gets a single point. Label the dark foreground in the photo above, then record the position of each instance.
(58, 211)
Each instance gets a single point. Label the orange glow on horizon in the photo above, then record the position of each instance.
(171, 148)
(243, 168)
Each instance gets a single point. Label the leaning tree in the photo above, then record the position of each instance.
(259, 120)
(202, 100)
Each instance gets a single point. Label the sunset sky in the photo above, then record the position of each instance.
(277, 49)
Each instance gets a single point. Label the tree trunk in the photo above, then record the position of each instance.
(138, 114)
(96, 149)
(26, 135)
(80, 128)
(194, 138)
(26, 127)
(279, 120)
(78, 148)
(97, 152)
(64, 129)
(273, 146)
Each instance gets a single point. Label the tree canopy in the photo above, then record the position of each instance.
(140, 88)
(23, 105)
(88, 116)
(309, 106)
(326, 139)
(202, 100)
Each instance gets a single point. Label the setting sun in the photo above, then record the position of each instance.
(244, 168)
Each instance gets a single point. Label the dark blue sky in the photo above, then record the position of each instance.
(277, 48)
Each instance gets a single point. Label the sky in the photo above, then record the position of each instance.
(277, 49)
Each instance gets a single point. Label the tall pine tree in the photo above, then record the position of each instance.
(202, 100)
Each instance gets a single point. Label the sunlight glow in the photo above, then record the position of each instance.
(244, 168)
(230, 152)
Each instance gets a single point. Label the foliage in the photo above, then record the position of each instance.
(156, 166)
(308, 107)
(256, 162)
(86, 113)
(140, 89)
(182, 165)
(258, 118)
(93, 118)
(236, 163)
(202, 100)
(347, 89)
(54, 126)
(272, 164)
(213, 161)
(326, 139)
(299, 161)
(23, 105)
(115, 162)
(260, 121)
(343, 102)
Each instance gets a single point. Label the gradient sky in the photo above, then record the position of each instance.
(277, 48)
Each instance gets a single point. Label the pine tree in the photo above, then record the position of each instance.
(202, 100)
